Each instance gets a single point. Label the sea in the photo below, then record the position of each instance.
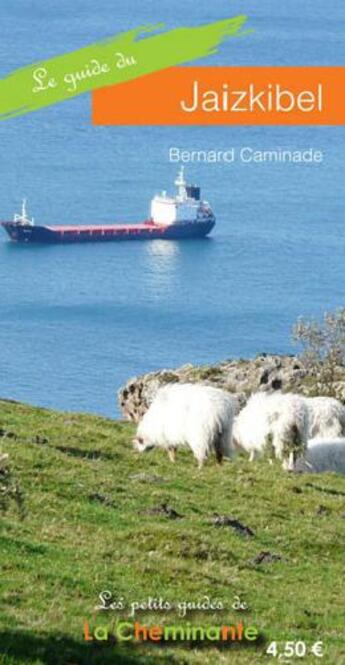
(77, 321)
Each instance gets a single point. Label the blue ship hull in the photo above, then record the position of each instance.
(26, 233)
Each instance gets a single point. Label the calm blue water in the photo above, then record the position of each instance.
(76, 322)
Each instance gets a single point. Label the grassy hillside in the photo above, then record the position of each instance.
(95, 520)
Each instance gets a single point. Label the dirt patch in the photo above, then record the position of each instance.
(86, 454)
(40, 440)
(6, 434)
(164, 510)
(101, 498)
(146, 478)
(322, 510)
(326, 490)
(233, 523)
(266, 557)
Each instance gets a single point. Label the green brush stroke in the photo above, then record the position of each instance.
(150, 53)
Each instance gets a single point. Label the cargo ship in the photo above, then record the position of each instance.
(183, 215)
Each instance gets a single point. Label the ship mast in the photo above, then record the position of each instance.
(24, 212)
(181, 184)
(23, 217)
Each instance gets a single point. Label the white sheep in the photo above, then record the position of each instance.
(323, 455)
(326, 417)
(275, 423)
(197, 416)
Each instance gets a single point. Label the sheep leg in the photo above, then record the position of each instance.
(291, 463)
(219, 456)
(218, 448)
(172, 454)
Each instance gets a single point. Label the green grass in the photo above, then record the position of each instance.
(89, 528)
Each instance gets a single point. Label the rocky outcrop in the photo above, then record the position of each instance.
(240, 377)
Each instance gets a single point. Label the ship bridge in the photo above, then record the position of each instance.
(185, 206)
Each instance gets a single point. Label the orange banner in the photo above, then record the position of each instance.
(226, 96)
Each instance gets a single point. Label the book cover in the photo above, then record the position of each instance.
(172, 330)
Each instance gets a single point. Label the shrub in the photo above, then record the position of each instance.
(323, 346)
